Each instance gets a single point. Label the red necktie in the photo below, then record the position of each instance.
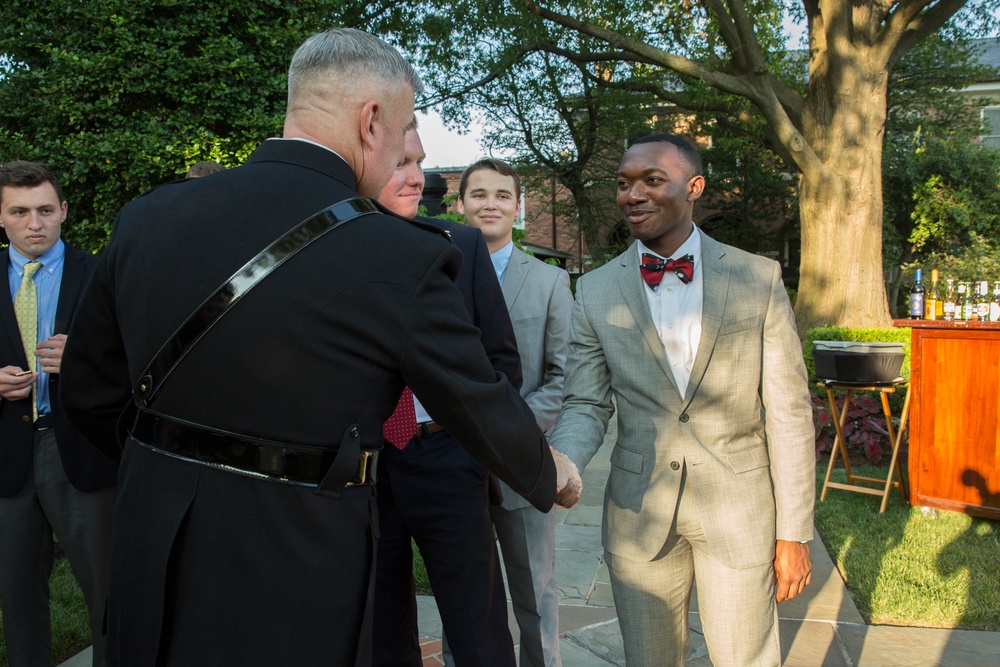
(652, 268)
(401, 426)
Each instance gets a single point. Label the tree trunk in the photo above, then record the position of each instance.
(840, 202)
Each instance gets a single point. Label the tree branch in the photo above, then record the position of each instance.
(661, 93)
(922, 24)
(501, 66)
(749, 46)
(780, 105)
(730, 34)
(652, 55)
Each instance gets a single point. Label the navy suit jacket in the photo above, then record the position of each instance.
(477, 281)
(86, 467)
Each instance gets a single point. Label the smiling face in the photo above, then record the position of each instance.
(656, 193)
(402, 193)
(32, 218)
(490, 203)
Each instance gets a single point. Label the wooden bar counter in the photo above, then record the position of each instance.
(954, 456)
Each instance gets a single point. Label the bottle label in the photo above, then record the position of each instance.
(916, 306)
(983, 311)
(949, 310)
(995, 312)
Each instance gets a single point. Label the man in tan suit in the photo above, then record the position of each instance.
(713, 472)
(540, 304)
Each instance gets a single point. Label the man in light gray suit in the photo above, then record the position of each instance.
(713, 471)
(540, 304)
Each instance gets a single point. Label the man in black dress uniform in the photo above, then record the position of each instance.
(236, 542)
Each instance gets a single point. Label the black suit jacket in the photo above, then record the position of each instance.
(86, 467)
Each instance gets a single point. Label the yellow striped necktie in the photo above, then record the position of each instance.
(26, 309)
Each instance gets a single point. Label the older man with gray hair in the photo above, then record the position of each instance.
(262, 357)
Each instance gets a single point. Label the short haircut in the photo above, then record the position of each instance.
(686, 150)
(350, 54)
(492, 164)
(203, 168)
(22, 174)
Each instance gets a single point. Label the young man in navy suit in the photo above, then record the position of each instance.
(51, 479)
(430, 490)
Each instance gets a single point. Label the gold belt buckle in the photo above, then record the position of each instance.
(365, 474)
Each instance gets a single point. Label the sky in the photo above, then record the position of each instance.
(448, 148)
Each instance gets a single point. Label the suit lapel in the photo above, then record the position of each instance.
(715, 277)
(514, 276)
(631, 285)
(7, 315)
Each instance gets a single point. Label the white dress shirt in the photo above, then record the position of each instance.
(676, 310)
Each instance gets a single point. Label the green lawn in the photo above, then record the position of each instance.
(70, 629)
(906, 568)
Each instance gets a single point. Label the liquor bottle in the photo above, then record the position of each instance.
(968, 303)
(983, 302)
(917, 297)
(948, 307)
(960, 298)
(933, 306)
(995, 303)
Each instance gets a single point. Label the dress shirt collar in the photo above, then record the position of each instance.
(49, 261)
(308, 141)
(501, 258)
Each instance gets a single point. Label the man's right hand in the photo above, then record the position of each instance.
(14, 386)
(569, 485)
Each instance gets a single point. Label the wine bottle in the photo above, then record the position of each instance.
(995, 303)
(917, 297)
(933, 306)
(948, 307)
(983, 301)
(968, 304)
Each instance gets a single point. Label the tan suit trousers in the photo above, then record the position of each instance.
(737, 609)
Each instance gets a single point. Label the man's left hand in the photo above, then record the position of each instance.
(792, 569)
(49, 353)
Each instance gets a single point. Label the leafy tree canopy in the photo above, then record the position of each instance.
(121, 96)
(718, 56)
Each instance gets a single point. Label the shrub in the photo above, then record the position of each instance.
(864, 430)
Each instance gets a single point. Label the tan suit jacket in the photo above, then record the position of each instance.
(743, 430)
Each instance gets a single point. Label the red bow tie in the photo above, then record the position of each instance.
(652, 268)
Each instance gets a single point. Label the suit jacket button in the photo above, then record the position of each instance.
(26, 418)
(674, 465)
(685, 417)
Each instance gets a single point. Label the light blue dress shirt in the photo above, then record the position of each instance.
(501, 258)
(47, 282)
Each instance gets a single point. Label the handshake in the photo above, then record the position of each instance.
(569, 486)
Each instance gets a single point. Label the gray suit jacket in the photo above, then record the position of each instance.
(540, 305)
(752, 477)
